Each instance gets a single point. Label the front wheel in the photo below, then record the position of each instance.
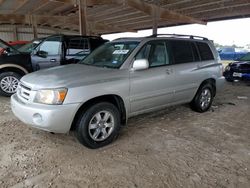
(99, 125)
(8, 83)
(203, 98)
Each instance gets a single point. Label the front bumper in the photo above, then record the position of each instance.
(52, 118)
(229, 75)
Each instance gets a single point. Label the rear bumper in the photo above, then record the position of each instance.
(52, 118)
(220, 83)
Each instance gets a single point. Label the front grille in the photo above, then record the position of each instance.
(23, 91)
(242, 68)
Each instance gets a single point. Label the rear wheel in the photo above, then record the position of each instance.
(8, 83)
(99, 125)
(203, 98)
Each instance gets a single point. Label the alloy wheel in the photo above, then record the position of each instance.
(9, 84)
(205, 98)
(101, 125)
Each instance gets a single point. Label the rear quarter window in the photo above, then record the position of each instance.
(205, 51)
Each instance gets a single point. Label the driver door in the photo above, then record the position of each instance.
(154, 87)
(51, 50)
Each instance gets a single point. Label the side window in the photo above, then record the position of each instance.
(155, 52)
(158, 55)
(195, 52)
(78, 45)
(205, 51)
(182, 51)
(52, 46)
(144, 52)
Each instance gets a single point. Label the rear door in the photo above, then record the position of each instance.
(77, 48)
(47, 54)
(185, 59)
(153, 87)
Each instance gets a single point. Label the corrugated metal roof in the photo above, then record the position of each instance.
(106, 16)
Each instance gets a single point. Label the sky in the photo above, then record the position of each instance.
(229, 32)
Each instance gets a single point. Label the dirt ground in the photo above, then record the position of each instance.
(175, 147)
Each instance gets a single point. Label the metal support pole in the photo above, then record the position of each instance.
(15, 34)
(34, 26)
(156, 16)
(82, 17)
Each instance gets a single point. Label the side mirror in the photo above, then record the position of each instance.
(140, 64)
(42, 54)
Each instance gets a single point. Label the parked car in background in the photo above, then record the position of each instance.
(239, 70)
(118, 80)
(53, 51)
(229, 53)
(17, 44)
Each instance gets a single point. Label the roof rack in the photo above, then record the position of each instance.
(179, 36)
(126, 38)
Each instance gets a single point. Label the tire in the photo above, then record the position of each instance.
(203, 98)
(90, 127)
(11, 78)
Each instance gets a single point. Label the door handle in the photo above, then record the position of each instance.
(169, 71)
(53, 60)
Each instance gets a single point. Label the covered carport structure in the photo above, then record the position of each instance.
(96, 17)
(175, 147)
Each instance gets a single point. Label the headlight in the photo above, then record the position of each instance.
(51, 96)
(227, 68)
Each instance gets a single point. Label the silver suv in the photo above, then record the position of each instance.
(120, 79)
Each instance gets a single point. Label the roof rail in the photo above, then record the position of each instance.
(126, 38)
(179, 36)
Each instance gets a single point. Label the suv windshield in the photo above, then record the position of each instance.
(111, 55)
(7, 49)
(245, 57)
(27, 48)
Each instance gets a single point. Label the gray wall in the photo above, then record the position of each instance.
(26, 33)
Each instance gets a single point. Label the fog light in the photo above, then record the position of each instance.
(37, 119)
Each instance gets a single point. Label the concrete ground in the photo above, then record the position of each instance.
(175, 147)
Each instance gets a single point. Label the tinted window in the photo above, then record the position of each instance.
(205, 51)
(51, 45)
(77, 45)
(94, 43)
(155, 52)
(181, 51)
(195, 52)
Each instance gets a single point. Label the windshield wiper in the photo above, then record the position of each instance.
(106, 66)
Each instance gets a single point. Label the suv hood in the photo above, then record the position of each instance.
(71, 76)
